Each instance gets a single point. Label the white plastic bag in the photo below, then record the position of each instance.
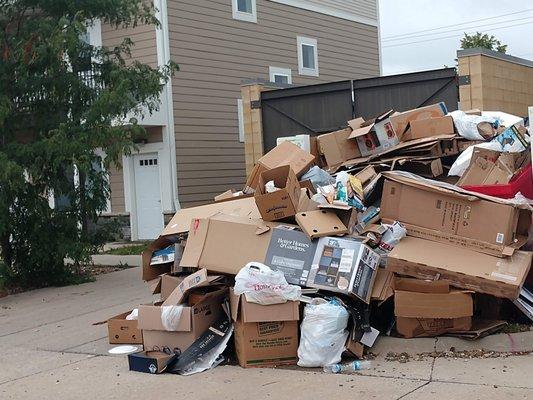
(134, 315)
(466, 125)
(170, 317)
(324, 334)
(262, 285)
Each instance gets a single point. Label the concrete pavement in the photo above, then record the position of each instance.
(51, 350)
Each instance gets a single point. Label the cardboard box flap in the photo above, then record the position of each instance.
(251, 312)
(287, 153)
(421, 286)
(356, 123)
(181, 221)
(365, 130)
(320, 223)
(197, 279)
(456, 304)
(150, 319)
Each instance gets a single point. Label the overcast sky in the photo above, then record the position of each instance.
(430, 52)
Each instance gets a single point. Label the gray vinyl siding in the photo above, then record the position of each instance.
(216, 53)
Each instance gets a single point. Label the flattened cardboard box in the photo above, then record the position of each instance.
(288, 153)
(344, 266)
(282, 203)
(456, 217)
(291, 252)
(430, 127)
(401, 122)
(123, 331)
(265, 335)
(429, 327)
(461, 267)
(210, 244)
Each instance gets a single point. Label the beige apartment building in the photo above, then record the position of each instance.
(195, 146)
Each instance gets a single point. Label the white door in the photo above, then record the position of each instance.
(148, 196)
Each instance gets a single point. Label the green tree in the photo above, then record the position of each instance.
(483, 40)
(62, 99)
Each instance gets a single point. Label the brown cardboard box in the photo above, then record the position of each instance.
(194, 321)
(337, 148)
(460, 267)
(401, 122)
(265, 336)
(383, 285)
(426, 168)
(320, 223)
(282, 203)
(226, 243)
(195, 280)
(432, 314)
(488, 167)
(123, 331)
(435, 212)
(168, 284)
(253, 179)
(429, 127)
(420, 285)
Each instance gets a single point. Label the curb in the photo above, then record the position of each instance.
(114, 260)
(501, 343)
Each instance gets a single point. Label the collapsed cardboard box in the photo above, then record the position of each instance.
(150, 362)
(336, 147)
(344, 266)
(466, 219)
(401, 122)
(432, 313)
(286, 153)
(265, 336)
(304, 142)
(282, 203)
(225, 243)
(461, 267)
(194, 319)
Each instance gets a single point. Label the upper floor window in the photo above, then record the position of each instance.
(244, 10)
(307, 56)
(281, 76)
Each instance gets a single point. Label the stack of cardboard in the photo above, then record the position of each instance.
(343, 240)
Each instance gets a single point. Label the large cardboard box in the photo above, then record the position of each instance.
(466, 219)
(461, 267)
(194, 320)
(123, 331)
(376, 137)
(282, 203)
(401, 122)
(265, 336)
(226, 243)
(291, 252)
(429, 127)
(344, 266)
(336, 147)
(427, 313)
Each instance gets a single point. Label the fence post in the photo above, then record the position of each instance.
(252, 121)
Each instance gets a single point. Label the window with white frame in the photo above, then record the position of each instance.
(307, 56)
(282, 76)
(240, 116)
(244, 10)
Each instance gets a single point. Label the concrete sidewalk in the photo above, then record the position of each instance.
(51, 350)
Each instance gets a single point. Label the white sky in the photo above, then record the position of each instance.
(404, 17)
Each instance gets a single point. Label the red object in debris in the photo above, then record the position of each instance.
(522, 183)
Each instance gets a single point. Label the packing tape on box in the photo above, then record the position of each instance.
(170, 317)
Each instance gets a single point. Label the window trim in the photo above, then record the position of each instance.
(273, 71)
(244, 16)
(240, 117)
(308, 42)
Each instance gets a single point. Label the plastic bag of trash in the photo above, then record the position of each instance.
(134, 315)
(262, 285)
(467, 125)
(392, 236)
(171, 317)
(318, 177)
(323, 333)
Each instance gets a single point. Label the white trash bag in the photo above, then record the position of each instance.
(262, 285)
(324, 333)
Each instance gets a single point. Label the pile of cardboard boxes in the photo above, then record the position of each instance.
(463, 249)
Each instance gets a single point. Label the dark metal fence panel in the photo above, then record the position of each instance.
(404, 92)
(312, 109)
(316, 109)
